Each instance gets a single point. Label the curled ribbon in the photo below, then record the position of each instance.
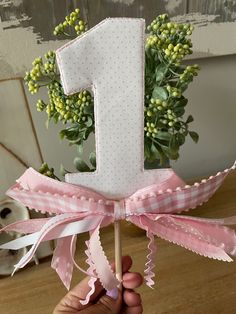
(154, 209)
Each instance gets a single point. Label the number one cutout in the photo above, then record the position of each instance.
(109, 58)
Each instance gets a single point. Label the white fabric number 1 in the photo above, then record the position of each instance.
(110, 59)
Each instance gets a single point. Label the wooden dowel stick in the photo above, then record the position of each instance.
(118, 251)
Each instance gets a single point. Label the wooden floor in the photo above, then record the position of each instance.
(185, 282)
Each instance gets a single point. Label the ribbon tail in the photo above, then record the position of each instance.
(62, 260)
(25, 226)
(206, 239)
(66, 225)
(150, 264)
(50, 225)
(57, 227)
(99, 259)
(92, 270)
(212, 231)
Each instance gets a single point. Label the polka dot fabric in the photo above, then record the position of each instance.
(110, 59)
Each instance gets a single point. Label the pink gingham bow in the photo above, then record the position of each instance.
(77, 209)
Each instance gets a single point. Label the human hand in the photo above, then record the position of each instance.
(127, 302)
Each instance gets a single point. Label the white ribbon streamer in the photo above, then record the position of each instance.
(69, 229)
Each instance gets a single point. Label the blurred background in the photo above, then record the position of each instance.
(26, 31)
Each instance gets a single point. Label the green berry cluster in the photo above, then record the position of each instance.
(169, 39)
(154, 106)
(150, 129)
(160, 115)
(189, 73)
(71, 23)
(164, 112)
(60, 106)
(41, 105)
(67, 108)
(165, 129)
(48, 172)
(174, 91)
(42, 72)
(75, 110)
(166, 79)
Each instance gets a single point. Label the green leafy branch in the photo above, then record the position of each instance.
(166, 79)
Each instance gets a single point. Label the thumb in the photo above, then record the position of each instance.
(107, 305)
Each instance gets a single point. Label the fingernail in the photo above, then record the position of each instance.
(113, 293)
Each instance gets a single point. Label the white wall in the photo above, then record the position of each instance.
(212, 102)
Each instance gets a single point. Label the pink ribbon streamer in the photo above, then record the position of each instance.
(154, 209)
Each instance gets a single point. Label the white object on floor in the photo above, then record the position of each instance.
(10, 211)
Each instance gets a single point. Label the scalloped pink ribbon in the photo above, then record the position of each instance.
(154, 209)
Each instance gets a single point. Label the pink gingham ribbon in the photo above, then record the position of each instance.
(155, 209)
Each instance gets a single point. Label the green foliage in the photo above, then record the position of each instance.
(76, 111)
(92, 159)
(48, 172)
(194, 136)
(80, 165)
(72, 24)
(166, 79)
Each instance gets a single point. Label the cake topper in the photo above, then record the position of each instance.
(109, 58)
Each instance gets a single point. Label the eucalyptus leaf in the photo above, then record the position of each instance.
(163, 135)
(56, 117)
(80, 149)
(181, 103)
(179, 111)
(170, 153)
(87, 133)
(194, 136)
(180, 138)
(177, 126)
(74, 142)
(89, 122)
(92, 159)
(70, 133)
(62, 134)
(183, 87)
(153, 52)
(160, 72)
(89, 110)
(189, 119)
(160, 93)
(165, 154)
(174, 145)
(154, 152)
(147, 152)
(80, 165)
